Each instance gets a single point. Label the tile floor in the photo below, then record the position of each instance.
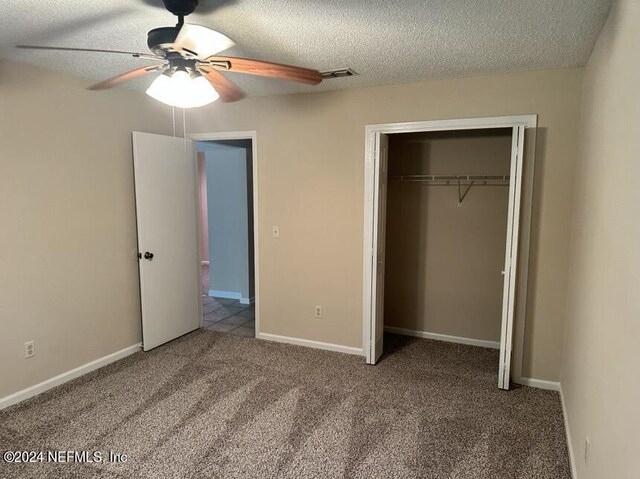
(229, 316)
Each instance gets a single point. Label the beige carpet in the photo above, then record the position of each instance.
(210, 405)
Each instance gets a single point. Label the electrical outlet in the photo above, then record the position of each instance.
(318, 312)
(587, 445)
(276, 232)
(29, 349)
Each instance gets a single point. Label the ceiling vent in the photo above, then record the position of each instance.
(338, 73)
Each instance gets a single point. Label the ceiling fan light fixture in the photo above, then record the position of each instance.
(182, 90)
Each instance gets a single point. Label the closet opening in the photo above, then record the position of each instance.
(445, 211)
(446, 224)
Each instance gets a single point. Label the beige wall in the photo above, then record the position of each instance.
(444, 262)
(69, 279)
(68, 276)
(602, 339)
(310, 178)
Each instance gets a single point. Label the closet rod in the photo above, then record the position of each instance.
(427, 178)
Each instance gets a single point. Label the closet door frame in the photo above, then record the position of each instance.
(522, 223)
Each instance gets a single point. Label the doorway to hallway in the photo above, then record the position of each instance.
(227, 243)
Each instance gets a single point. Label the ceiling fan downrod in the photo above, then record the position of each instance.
(181, 8)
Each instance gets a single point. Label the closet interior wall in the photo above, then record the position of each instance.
(444, 261)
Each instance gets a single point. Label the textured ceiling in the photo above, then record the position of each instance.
(384, 41)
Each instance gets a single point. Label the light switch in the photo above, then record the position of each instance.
(276, 232)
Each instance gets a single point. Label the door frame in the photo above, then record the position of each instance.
(372, 135)
(253, 136)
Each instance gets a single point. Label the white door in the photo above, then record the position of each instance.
(380, 212)
(511, 257)
(166, 209)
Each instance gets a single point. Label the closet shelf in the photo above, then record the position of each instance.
(446, 180)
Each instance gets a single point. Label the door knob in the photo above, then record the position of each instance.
(148, 255)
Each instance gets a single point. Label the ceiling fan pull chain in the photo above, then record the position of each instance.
(184, 127)
(173, 115)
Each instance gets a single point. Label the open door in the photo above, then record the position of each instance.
(511, 257)
(166, 208)
(380, 212)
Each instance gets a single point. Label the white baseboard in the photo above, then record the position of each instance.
(538, 383)
(310, 344)
(225, 294)
(444, 337)
(572, 457)
(68, 376)
(231, 295)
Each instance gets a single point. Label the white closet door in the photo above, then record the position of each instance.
(377, 332)
(511, 257)
(167, 212)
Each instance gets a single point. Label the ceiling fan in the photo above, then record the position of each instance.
(189, 66)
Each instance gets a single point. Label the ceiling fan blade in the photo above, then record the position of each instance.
(201, 41)
(267, 69)
(69, 49)
(138, 72)
(227, 90)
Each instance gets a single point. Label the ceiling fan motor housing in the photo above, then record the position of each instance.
(159, 40)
